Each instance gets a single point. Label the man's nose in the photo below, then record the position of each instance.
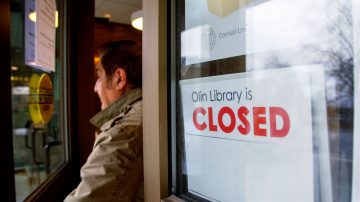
(96, 87)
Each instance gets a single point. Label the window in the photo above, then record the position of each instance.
(38, 97)
(265, 99)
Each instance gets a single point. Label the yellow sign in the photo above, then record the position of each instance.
(223, 8)
(41, 98)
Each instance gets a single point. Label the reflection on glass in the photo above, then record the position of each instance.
(334, 50)
(316, 36)
(37, 111)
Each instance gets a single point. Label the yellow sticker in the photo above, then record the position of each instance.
(223, 8)
(41, 98)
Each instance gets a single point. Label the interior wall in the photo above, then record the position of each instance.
(109, 31)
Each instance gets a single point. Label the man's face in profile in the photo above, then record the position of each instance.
(105, 87)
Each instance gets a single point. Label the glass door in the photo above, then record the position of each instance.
(265, 94)
(38, 93)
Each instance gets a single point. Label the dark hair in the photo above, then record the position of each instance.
(125, 54)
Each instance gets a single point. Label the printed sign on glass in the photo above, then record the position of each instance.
(249, 136)
(40, 19)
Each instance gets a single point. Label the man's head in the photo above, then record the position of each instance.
(118, 71)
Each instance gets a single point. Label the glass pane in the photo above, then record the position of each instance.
(37, 102)
(266, 100)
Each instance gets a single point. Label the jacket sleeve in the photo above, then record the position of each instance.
(114, 169)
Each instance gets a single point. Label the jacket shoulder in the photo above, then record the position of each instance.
(129, 121)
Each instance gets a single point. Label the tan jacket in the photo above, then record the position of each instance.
(114, 169)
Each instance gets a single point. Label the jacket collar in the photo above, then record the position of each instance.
(116, 108)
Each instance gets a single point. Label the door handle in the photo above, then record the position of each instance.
(47, 148)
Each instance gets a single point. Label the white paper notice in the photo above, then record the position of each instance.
(45, 34)
(248, 136)
(217, 29)
(29, 33)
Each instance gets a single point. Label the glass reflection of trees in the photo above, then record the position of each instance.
(336, 55)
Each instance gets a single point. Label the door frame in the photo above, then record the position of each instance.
(6, 149)
(155, 99)
(77, 58)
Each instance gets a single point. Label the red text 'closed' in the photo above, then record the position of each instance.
(239, 120)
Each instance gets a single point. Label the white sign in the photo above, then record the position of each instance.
(45, 34)
(29, 33)
(249, 136)
(217, 29)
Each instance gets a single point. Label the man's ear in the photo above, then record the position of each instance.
(120, 78)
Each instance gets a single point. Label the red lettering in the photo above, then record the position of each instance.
(196, 123)
(277, 111)
(212, 127)
(244, 128)
(204, 118)
(231, 126)
(259, 119)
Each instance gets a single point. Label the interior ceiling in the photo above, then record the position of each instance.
(120, 10)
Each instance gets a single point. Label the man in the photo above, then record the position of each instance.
(114, 169)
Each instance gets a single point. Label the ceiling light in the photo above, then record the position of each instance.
(96, 59)
(32, 17)
(107, 15)
(137, 20)
(56, 19)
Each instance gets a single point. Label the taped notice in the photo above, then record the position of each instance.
(250, 136)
